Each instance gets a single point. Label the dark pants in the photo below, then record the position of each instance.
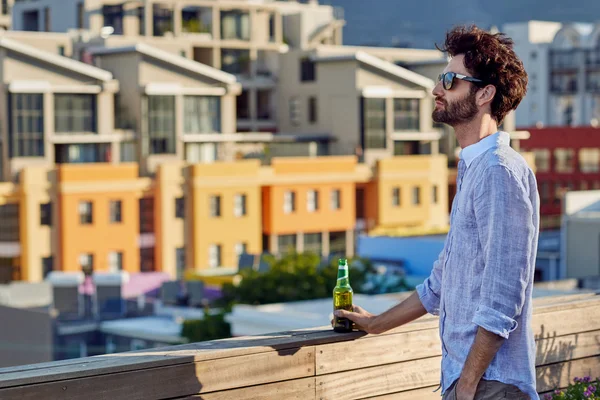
(490, 390)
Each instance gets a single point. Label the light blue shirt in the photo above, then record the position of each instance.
(484, 275)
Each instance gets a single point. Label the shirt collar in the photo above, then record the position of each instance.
(470, 153)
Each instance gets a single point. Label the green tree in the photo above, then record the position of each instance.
(211, 327)
(293, 277)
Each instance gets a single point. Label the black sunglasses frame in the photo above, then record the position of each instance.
(453, 75)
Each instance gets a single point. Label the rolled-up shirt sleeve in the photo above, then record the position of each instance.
(431, 289)
(506, 231)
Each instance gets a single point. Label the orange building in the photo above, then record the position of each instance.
(309, 205)
(98, 217)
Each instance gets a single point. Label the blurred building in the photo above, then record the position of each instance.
(566, 159)
(563, 63)
(580, 250)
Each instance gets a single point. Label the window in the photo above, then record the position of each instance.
(115, 261)
(80, 13)
(215, 206)
(239, 206)
(161, 124)
(434, 194)
(312, 110)
(75, 113)
(214, 255)
(26, 125)
(589, 160)
(146, 206)
(308, 71)
(312, 200)
(113, 16)
(286, 243)
(242, 107)
(46, 214)
(180, 207)
(236, 62)
(294, 111)
(47, 20)
(416, 195)
(235, 25)
(202, 114)
(240, 248)
(263, 105)
(312, 243)
(396, 197)
(115, 211)
(337, 244)
(374, 135)
(47, 265)
(82, 153)
(86, 262)
(542, 160)
(336, 199)
(563, 160)
(180, 262)
(9, 223)
(61, 50)
(162, 21)
(85, 212)
(406, 114)
(147, 259)
(289, 202)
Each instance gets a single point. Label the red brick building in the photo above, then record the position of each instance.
(566, 158)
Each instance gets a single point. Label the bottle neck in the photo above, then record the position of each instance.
(343, 278)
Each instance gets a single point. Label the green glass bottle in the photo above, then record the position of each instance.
(342, 297)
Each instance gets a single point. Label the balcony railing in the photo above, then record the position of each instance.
(308, 364)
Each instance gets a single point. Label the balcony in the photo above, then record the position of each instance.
(308, 364)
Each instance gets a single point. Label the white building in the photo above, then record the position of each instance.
(563, 64)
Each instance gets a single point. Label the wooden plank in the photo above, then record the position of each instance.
(426, 393)
(377, 350)
(560, 375)
(563, 348)
(298, 389)
(566, 322)
(175, 381)
(374, 381)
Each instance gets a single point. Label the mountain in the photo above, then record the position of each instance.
(422, 23)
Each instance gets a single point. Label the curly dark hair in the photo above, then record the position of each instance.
(491, 58)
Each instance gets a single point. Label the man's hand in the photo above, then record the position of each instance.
(464, 391)
(363, 319)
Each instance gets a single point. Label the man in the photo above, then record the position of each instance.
(481, 284)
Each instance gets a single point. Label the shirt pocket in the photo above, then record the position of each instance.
(465, 229)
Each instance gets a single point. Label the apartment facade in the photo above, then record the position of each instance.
(562, 61)
(54, 110)
(241, 38)
(105, 218)
(185, 109)
(368, 106)
(566, 159)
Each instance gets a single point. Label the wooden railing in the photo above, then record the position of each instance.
(307, 364)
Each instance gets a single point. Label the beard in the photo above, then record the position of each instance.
(457, 112)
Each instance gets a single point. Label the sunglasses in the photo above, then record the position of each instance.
(447, 79)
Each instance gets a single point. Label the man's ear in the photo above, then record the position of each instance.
(486, 95)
